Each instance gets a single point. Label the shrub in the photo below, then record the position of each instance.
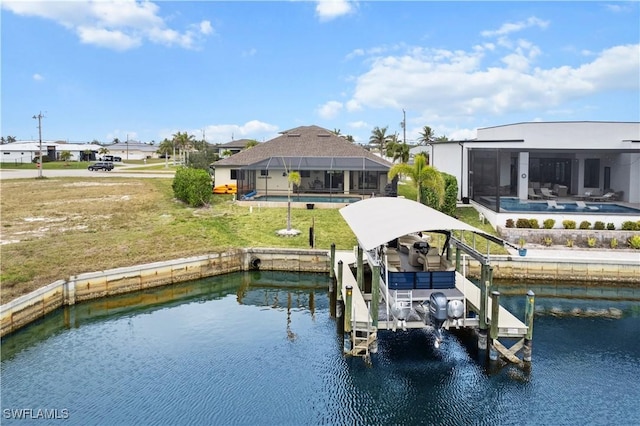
(591, 242)
(534, 223)
(629, 226)
(547, 241)
(569, 242)
(598, 225)
(613, 243)
(611, 226)
(569, 224)
(523, 223)
(193, 186)
(585, 224)
(634, 242)
(509, 223)
(548, 223)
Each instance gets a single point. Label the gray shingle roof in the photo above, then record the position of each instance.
(304, 141)
(239, 143)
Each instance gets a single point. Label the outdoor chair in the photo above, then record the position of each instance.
(609, 196)
(546, 194)
(552, 204)
(583, 205)
(533, 195)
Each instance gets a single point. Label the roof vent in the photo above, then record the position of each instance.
(293, 135)
(323, 135)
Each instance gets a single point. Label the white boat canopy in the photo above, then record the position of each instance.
(376, 221)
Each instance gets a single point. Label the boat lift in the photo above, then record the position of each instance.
(419, 286)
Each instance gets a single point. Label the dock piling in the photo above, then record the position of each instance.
(375, 294)
(333, 260)
(348, 307)
(360, 271)
(493, 333)
(529, 310)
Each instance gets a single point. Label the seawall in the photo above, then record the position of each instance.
(29, 307)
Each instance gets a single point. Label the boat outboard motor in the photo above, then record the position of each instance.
(438, 314)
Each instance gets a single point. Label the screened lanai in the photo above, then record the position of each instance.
(319, 175)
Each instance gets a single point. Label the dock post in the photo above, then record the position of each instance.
(360, 272)
(339, 301)
(333, 260)
(458, 258)
(375, 294)
(482, 325)
(493, 334)
(348, 306)
(528, 319)
(332, 298)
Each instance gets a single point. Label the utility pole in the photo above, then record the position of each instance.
(127, 146)
(39, 117)
(404, 126)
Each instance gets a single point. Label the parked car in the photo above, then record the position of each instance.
(111, 158)
(107, 167)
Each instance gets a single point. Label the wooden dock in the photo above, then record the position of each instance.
(360, 311)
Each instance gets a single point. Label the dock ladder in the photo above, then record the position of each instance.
(363, 336)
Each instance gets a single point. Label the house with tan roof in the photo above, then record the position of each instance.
(327, 163)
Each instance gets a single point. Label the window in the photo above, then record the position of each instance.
(237, 174)
(264, 172)
(305, 173)
(592, 173)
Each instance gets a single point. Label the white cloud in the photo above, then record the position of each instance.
(327, 10)
(117, 25)
(454, 86)
(511, 27)
(38, 77)
(330, 109)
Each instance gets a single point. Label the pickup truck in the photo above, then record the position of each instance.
(107, 167)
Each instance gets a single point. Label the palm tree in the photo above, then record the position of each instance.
(164, 149)
(65, 156)
(426, 136)
(336, 132)
(116, 140)
(292, 178)
(379, 138)
(350, 138)
(103, 151)
(422, 176)
(183, 141)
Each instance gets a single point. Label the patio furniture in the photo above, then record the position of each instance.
(609, 196)
(583, 205)
(546, 194)
(552, 204)
(533, 195)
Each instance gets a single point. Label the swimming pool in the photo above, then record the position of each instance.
(509, 204)
(308, 199)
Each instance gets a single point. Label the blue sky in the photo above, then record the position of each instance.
(146, 70)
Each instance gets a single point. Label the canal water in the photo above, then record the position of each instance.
(261, 348)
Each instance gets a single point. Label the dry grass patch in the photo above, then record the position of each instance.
(55, 228)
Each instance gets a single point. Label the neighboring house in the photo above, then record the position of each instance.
(133, 150)
(26, 151)
(570, 158)
(233, 147)
(327, 164)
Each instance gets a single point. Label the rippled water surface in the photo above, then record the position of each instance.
(261, 349)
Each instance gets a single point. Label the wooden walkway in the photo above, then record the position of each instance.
(360, 311)
(508, 324)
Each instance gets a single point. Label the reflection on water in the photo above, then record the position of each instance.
(261, 348)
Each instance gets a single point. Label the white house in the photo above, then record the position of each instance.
(570, 158)
(26, 151)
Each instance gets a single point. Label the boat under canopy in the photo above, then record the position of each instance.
(376, 221)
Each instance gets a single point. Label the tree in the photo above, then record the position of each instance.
(183, 142)
(103, 151)
(116, 140)
(426, 136)
(379, 138)
(350, 138)
(422, 175)
(293, 178)
(251, 143)
(336, 132)
(165, 149)
(65, 156)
